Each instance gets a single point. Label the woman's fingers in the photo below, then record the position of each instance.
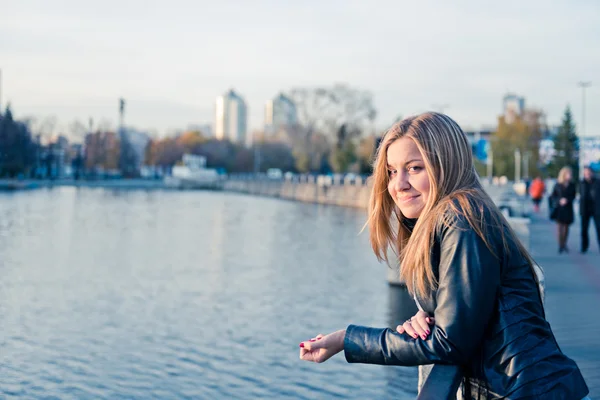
(418, 326)
(409, 329)
(420, 332)
(421, 325)
(313, 343)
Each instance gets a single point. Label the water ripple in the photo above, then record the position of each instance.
(135, 295)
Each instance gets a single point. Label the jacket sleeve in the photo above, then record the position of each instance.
(571, 193)
(555, 195)
(469, 276)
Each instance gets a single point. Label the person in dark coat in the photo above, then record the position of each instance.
(562, 196)
(589, 207)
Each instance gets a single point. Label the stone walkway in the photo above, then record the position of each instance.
(572, 294)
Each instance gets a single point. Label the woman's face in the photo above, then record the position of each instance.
(409, 183)
(568, 176)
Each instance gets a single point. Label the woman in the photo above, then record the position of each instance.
(562, 197)
(469, 274)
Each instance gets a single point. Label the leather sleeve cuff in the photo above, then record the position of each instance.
(361, 345)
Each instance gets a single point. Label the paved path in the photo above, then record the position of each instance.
(572, 294)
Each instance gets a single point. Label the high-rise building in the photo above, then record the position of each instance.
(231, 117)
(280, 113)
(514, 106)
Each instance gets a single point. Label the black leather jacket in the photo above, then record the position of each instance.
(489, 319)
(589, 202)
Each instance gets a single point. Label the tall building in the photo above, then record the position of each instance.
(514, 106)
(280, 113)
(231, 117)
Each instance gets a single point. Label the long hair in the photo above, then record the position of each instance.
(455, 190)
(562, 175)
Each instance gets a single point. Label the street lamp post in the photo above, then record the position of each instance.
(583, 85)
(490, 165)
(517, 165)
(526, 164)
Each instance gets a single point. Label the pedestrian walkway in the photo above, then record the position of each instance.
(572, 294)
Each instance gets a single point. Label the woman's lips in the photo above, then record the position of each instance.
(407, 199)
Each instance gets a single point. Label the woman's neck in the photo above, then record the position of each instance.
(409, 223)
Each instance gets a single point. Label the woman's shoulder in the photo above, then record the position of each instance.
(462, 213)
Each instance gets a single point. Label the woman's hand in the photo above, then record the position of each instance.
(562, 201)
(322, 347)
(417, 326)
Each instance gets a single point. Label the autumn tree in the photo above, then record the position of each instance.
(191, 141)
(102, 150)
(524, 133)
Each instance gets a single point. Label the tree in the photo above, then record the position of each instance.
(77, 129)
(324, 110)
(275, 155)
(102, 150)
(524, 133)
(366, 154)
(341, 158)
(167, 152)
(191, 141)
(566, 146)
(17, 149)
(344, 151)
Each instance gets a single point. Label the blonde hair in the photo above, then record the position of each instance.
(455, 190)
(561, 175)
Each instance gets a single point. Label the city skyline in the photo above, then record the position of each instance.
(410, 56)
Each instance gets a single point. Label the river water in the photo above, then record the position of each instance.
(130, 294)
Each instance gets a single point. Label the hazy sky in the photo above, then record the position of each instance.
(170, 59)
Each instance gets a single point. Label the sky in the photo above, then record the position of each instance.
(73, 59)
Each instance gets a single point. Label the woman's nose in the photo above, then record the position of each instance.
(401, 183)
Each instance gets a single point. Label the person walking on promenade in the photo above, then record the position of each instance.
(562, 198)
(469, 274)
(536, 191)
(589, 207)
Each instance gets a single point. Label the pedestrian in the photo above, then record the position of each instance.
(562, 213)
(589, 207)
(536, 191)
(472, 279)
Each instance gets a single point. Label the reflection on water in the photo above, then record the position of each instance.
(133, 294)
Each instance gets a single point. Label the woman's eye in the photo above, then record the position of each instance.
(391, 172)
(414, 168)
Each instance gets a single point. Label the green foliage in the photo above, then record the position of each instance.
(342, 157)
(276, 155)
(524, 133)
(17, 149)
(302, 160)
(480, 167)
(566, 147)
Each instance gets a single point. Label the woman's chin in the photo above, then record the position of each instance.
(411, 212)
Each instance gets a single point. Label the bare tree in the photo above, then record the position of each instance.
(340, 113)
(105, 125)
(77, 130)
(325, 110)
(42, 127)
